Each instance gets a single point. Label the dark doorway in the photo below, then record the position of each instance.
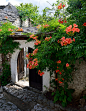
(35, 80)
(20, 64)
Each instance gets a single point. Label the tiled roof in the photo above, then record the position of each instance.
(10, 11)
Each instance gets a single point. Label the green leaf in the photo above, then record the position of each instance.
(64, 100)
(60, 98)
(62, 92)
(69, 99)
(53, 93)
(63, 104)
(71, 90)
(55, 98)
(84, 96)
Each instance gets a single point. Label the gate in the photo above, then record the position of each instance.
(35, 80)
(20, 64)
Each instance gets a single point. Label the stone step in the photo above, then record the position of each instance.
(17, 96)
(27, 98)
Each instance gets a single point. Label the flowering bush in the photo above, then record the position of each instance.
(59, 53)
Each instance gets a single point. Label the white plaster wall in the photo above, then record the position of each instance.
(17, 22)
(46, 80)
(25, 61)
(26, 70)
(25, 23)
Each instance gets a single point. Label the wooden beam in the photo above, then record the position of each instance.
(18, 37)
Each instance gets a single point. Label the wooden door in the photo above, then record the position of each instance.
(35, 80)
(20, 64)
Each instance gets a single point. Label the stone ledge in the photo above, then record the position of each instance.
(18, 102)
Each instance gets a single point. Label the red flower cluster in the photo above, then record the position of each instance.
(31, 36)
(60, 82)
(61, 21)
(38, 26)
(40, 73)
(0, 29)
(34, 52)
(48, 38)
(19, 29)
(65, 41)
(28, 55)
(37, 42)
(59, 61)
(32, 64)
(46, 26)
(58, 71)
(57, 79)
(10, 29)
(5, 23)
(6, 17)
(35, 37)
(69, 29)
(60, 6)
(84, 24)
(67, 65)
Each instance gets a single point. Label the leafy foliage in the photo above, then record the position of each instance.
(6, 46)
(28, 11)
(63, 95)
(6, 75)
(57, 58)
(7, 29)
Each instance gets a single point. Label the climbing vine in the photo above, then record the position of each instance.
(58, 45)
(7, 45)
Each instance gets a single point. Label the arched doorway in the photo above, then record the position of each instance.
(14, 73)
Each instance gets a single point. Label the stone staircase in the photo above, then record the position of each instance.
(29, 99)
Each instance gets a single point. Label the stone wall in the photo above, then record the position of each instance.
(79, 79)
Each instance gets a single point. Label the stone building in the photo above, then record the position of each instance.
(11, 12)
(79, 76)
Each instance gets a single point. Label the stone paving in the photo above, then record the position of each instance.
(17, 98)
(6, 105)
